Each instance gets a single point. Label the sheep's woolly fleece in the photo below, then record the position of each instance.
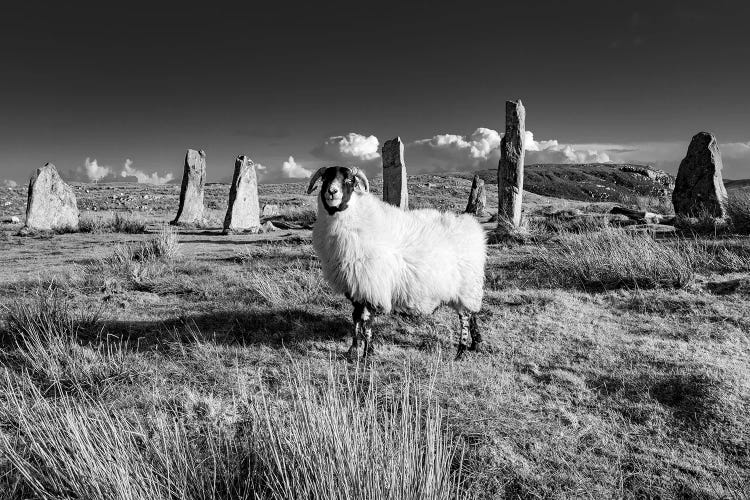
(406, 261)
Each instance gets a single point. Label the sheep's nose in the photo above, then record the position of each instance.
(333, 190)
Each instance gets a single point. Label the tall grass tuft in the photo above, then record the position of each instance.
(615, 258)
(335, 440)
(738, 209)
(108, 223)
(349, 440)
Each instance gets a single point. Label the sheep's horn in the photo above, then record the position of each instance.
(314, 179)
(362, 177)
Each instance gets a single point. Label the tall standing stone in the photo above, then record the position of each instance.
(191, 194)
(477, 197)
(510, 169)
(243, 212)
(395, 190)
(51, 203)
(699, 187)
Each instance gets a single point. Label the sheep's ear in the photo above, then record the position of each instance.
(361, 179)
(314, 179)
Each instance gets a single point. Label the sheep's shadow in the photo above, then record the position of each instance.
(276, 328)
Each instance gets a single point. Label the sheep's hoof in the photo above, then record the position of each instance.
(460, 352)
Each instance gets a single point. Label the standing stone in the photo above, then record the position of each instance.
(477, 198)
(510, 169)
(243, 212)
(191, 194)
(699, 187)
(51, 203)
(395, 190)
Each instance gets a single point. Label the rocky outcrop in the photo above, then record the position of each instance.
(395, 190)
(663, 180)
(243, 211)
(699, 188)
(510, 169)
(191, 194)
(51, 203)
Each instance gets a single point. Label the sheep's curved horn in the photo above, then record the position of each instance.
(314, 179)
(362, 178)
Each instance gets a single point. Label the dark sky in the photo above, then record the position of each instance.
(145, 81)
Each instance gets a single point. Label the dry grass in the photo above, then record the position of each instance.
(615, 258)
(129, 223)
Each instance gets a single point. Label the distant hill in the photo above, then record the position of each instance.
(737, 184)
(615, 182)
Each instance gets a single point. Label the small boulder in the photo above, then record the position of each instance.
(270, 210)
(51, 203)
(268, 227)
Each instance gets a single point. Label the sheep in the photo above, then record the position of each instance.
(384, 259)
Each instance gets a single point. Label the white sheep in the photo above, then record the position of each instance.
(385, 259)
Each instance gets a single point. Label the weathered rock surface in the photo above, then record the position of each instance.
(660, 177)
(243, 211)
(477, 198)
(191, 194)
(510, 169)
(395, 190)
(699, 187)
(51, 203)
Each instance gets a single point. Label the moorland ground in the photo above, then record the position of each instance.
(196, 365)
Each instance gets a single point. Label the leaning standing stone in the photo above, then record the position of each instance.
(699, 187)
(510, 169)
(51, 203)
(191, 194)
(243, 212)
(395, 190)
(477, 197)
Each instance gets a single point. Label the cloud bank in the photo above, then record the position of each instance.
(91, 171)
(481, 149)
(351, 149)
(7, 183)
(292, 170)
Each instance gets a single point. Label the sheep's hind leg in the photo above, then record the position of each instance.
(353, 351)
(463, 341)
(476, 337)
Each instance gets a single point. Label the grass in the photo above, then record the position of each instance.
(112, 223)
(340, 437)
(217, 371)
(615, 258)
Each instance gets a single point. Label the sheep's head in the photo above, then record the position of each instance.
(338, 185)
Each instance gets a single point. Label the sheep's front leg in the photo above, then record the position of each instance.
(357, 331)
(463, 341)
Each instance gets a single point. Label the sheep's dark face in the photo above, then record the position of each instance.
(336, 191)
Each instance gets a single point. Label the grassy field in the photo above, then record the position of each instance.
(194, 365)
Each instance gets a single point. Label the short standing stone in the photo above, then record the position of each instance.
(51, 203)
(477, 197)
(243, 212)
(271, 210)
(510, 169)
(191, 194)
(699, 187)
(395, 190)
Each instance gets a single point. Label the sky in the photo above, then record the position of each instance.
(120, 91)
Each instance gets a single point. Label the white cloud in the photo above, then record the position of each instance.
(144, 178)
(290, 169)
(551, 151)
(7, 183)
(93, 172)
(349, 147)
